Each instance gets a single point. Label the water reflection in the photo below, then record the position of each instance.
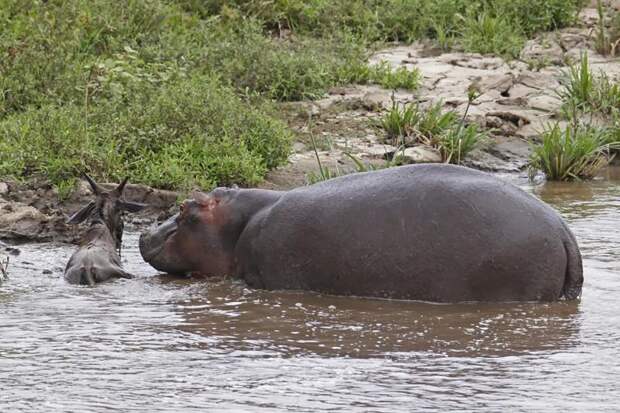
(296, 323)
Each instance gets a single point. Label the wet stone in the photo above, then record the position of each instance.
(421, 154)
(543, 50)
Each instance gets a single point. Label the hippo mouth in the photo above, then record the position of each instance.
(153, 242)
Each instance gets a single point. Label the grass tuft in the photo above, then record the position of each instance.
(571, 154)
(409, 125)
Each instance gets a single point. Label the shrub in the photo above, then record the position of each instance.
(409, 124)
(393, 20)
(573, 153)
(187, 133)
(458, 142)
(484, 33)
(582, 91)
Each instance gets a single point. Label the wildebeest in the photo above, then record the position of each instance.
(422, 232)
(97, 258)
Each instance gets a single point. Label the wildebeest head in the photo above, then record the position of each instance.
(107, 208)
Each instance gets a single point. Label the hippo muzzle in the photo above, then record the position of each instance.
(155, 247)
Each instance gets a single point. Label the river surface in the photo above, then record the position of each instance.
(157, 343)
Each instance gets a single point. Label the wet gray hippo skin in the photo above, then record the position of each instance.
(426, 232)
(97, 259)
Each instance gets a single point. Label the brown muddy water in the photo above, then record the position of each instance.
(157, 343)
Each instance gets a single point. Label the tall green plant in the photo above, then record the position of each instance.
(573, 153)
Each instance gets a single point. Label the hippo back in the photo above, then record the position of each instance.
(426, 232)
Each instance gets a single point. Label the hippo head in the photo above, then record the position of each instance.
(107, 208)
(200, 238)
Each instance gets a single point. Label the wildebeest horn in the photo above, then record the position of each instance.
(95, 187)
(119, 189)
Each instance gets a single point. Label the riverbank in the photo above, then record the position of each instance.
(518, 100)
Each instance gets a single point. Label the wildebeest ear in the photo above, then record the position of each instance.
(97, 190)
(132, 206)
(82, 214)
(119, 189)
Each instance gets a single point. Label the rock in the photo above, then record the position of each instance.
(519, 90)
(473, 61)
(303, 109)
(378, 150)
(20, 220)
(500, 126)
(516, 118)
(421, 154)
(341, 90)
(571, 39)
(516, 101)
(376, 100)
(573, 55)
(589, 17)
(299, 147)
(543, 80)
(543, 50)
(4, 188)
(12, 251)
(499, 82)
(545, 103)
(488, 162)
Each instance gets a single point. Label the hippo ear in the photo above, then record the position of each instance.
(132, 206)
(97, 190)
(201, 197)
(82, 214)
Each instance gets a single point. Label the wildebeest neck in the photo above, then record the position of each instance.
(108, 228)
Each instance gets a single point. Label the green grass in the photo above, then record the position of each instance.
(574, 153)
(191, 132)
(390, 20)
(484, 33)
(584, 92)
(458, 142)
(584, 147)
(400, 121)
(409, 125)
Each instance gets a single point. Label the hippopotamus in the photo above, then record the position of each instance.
(97, 259)
(439, 233)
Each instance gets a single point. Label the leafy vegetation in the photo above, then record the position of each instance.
(181, 93)
(409, 124)
(582, 148)
(572, 153)
(193, 132)
(325, 173)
